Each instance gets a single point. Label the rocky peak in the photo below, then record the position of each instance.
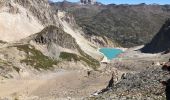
(88, 1)
(53, 34)
(40, 9)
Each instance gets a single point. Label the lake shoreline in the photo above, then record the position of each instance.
(105, 58)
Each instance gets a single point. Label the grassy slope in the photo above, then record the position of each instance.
(35, 58)
(89, 61)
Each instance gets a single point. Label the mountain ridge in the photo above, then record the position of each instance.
(127, 25)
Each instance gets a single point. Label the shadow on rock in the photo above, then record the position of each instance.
(167, 90)
(166, 67)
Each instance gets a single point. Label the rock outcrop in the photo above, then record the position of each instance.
(53, 34)
(88, 1)
(143, 85)
(52, 39)
(160, 42)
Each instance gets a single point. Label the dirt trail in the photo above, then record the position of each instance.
(74, 84)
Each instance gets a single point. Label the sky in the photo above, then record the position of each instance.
(127, 1)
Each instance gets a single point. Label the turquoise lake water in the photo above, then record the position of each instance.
(110, 53)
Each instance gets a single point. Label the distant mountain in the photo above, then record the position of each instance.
(161, 41)
(127, 25)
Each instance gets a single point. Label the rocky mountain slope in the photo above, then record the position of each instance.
(145, 85)
(41, 10)
(42, 38)
(43, 47)
(43, 15)
(126, 25)
(161, 41)
(21, 18)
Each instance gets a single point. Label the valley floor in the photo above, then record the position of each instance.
(59, 85)
(76, 84)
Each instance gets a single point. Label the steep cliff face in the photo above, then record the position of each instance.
(41, 10)
(161, 41)
(21, 18)
(16, 22)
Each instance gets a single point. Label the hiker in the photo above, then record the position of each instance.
(88, 73)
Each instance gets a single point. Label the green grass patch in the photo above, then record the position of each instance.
(6, 63)
(35, 58)
(69, 56)
(88, 60)
(1, 67)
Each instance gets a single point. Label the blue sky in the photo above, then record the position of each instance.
(127, 1)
